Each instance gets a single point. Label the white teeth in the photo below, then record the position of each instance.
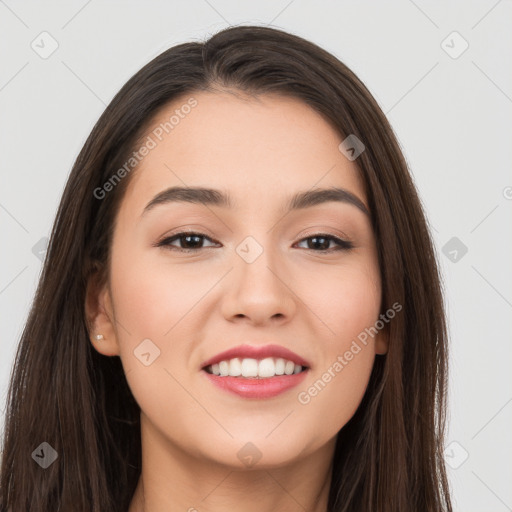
(235, 367)
(280, 362)
(267, 367)
(249, 368)
(224, 368)
(254, 368)
(289, 367)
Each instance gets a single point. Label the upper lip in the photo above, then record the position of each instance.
(256, 352)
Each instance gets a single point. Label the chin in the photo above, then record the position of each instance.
(246, 452)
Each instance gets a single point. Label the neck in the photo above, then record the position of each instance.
(174, 480)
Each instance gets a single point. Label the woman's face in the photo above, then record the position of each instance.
(259, 274)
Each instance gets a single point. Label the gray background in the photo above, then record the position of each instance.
(451, 111)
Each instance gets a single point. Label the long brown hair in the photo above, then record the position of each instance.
(388, 457)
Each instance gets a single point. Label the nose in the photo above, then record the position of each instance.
(259, 292)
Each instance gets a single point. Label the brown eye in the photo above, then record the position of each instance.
(321, 243)
(190, 241)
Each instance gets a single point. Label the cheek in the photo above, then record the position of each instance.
(164, 304)
(348, 305)
(156, 304)
(151, 297)
(344, 300)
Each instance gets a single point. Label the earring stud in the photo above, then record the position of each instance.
(99, 337)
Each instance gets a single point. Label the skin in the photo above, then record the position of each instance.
(193, 306)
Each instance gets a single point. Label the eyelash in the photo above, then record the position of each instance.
(343, 245)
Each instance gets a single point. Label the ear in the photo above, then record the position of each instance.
(382, 341)
(99, 315)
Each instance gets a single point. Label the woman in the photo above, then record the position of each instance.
(240, 306)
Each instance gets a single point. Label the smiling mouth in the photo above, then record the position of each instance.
(250, 368)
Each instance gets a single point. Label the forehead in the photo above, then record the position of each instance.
(266, 146)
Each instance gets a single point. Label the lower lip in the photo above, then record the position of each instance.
(257, 388)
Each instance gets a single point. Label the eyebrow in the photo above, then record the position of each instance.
(213, 197)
